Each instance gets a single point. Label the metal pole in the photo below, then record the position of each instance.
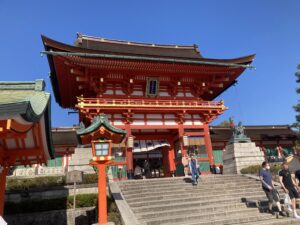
(74, 197)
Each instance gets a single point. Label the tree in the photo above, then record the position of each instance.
(227, 123)
(297, 107)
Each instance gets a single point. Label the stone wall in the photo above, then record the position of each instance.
(39, 171)
(83, 216)
(240, 155)
(81, 160)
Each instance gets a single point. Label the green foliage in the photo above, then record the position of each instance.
(90, 178)
(113, 215)
(297, 107)
(254, 169)
(225, 123)
(82, 200)
(13, 183)
(37, 182)
(35, 206)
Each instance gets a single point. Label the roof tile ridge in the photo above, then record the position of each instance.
(124, 42)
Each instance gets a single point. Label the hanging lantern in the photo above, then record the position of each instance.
(130, 142)
(185, 140)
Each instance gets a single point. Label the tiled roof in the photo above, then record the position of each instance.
(137, 48)
(23, 98)
(28, 100)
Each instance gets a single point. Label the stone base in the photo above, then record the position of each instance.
(80, 160)
(240, 155)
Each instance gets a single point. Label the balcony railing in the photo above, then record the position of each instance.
(148, 103)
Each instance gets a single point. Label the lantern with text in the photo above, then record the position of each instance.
(185, 140)
(130, 142)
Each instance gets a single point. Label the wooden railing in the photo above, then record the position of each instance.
(147, 103)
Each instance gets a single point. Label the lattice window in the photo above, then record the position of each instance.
(152, 87)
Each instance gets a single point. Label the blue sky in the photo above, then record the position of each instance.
(221, 29)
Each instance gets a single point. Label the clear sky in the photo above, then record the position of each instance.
(221, 29)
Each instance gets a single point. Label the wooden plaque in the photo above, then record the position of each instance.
(74, 176)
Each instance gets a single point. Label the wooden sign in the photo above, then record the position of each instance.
(74, 176)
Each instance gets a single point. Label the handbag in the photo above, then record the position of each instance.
(287, 199)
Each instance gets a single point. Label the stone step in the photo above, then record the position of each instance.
(199, 192)
(240, 213)
(204, 179)
(216, 200)
(184, 205)
(180, 178)
(230, 220)
(188, 183)
(188, 209)
(189, 186)
(193, 195)
(193, 199)
(172, 179)
(273, 221)
(192, 189)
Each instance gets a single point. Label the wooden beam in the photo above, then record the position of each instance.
(19, 127)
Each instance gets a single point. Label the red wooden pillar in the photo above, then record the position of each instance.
(180, 135)
(171, 157)
(102, 201)
(208, 144)
(2, 189)
(165, 155)
(129, 155)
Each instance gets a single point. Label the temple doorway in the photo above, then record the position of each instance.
(150, 159)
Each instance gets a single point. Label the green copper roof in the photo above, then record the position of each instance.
(23, 98)
(98, 121)
(28, 100)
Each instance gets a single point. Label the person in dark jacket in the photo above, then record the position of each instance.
(194, 170)
(268, 187)
(147, 168)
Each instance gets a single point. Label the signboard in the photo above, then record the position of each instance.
(74, 177)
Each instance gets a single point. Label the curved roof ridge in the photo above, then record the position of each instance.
(115, 41)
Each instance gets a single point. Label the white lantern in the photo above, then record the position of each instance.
(185, 140)
(130, 142)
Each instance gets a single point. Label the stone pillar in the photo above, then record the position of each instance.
(240, 155)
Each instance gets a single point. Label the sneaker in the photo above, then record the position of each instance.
(271, 212)
(296, 216)
(282, 213)
(289, 209)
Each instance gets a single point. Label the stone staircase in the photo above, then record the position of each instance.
(216, 200)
